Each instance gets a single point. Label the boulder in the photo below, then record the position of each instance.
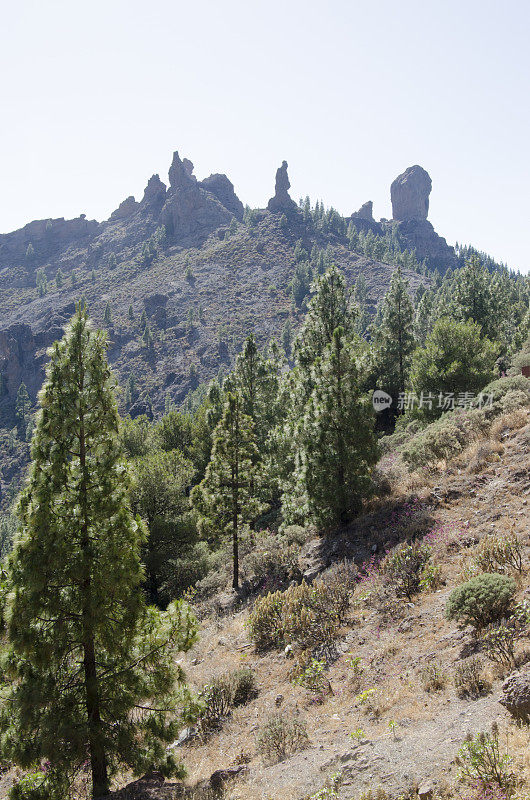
(223, 189)
(515, 695)
(281, 201)
(410, 194)
(221, 776)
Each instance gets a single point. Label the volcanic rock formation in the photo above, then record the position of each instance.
(281, 201)
(410, 194)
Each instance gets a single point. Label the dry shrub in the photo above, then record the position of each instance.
(433, 677)
(481, 454)
(404, 566)
(280, 738)
(308, 616)
(220, 695)
(511, 421)
(471, 679)
(498, 551)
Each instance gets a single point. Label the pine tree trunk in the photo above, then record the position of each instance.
(98, 757)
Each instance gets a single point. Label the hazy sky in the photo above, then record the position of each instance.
(97, 95)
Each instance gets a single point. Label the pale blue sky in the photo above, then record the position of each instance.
(97, 95)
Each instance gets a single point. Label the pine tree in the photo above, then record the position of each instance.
(41, 282)
(130, 313)
(59, 278)
(30, 253)
(360, 297)
(256, 378)
(224, 499)
(86, 654)
(107, 315)
(337, 447)
(472, 295)
(394, 340)
(22, 410)
(328, 309)
(287, 337)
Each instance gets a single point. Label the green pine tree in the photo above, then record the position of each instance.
(22, 410)
(130, 313)
(287, 337)
(394, 339)
(225, 498)
(337, 446)
(59, 278)
(86, 654)
(107, 315)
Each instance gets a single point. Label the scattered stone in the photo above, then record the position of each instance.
(425, 791)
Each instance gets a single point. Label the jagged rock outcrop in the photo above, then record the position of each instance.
(154, 193)
(281, 201)
(126, 209)
(189, 209)
(223, 189)
(365, 212)
(409, 193)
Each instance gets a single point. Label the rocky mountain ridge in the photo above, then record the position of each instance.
(210, 281)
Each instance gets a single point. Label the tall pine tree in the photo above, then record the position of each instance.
(394, 339)
(86, 655)
(337, 446)
(225, 498)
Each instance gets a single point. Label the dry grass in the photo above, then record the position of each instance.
(393, 640)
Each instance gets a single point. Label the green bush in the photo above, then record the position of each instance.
(483, 599)
(480, 759)
(243, 684)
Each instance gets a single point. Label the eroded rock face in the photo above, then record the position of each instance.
(410, 194)
(365, 212)
(190, 210)
(125, 209)
(47, 237)
(515, 695)
(281, 201)
(223, 189)
(154, 192)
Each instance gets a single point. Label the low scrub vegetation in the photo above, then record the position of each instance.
(280, 738)
(483, 599)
